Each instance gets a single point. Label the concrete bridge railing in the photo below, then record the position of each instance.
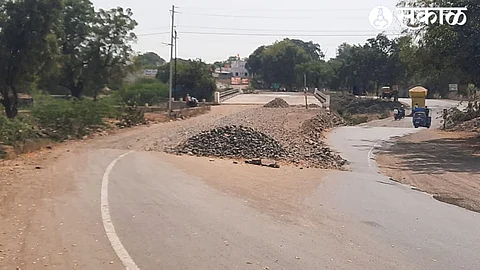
(224, 95)
(323, 98)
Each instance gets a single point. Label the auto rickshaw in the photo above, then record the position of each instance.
(422, 118)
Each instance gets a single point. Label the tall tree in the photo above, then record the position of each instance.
(277, 63)
(96, 46)
(78, 26)
(27, 42)
(109, 54)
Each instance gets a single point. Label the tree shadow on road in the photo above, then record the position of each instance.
(438, 156)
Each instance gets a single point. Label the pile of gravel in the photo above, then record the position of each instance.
(310, 149)
(277, 103)
(232, 142)
(315, 127)
(468, 126)
(288, 136)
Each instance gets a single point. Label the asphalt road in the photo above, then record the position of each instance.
(431, 234)
(294, 99)
(159, 215)
(168, 219)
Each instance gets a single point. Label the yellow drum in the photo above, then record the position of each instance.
(418, 95)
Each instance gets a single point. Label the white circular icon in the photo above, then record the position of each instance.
(381, 17)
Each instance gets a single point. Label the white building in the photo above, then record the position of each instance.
(238, 69)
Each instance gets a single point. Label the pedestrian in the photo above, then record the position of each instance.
(445, 116)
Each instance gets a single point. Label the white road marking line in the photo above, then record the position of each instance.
(107, 220)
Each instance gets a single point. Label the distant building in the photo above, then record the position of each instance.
(238, 69)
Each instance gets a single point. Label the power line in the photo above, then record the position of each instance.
(273, 30)
(261, 17)
(270, 34)
(240, 40)
(277, 10)
(275, 35)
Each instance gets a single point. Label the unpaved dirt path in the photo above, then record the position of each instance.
(443, 164)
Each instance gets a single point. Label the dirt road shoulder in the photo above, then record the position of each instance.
(443, 164)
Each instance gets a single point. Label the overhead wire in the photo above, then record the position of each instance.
(275, 10)
(267, 34)
(274, 30)
(274, 34)
(260, 17)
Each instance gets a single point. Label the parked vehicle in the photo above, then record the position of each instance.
(386, 92)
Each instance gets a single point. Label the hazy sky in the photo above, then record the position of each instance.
(326, 22)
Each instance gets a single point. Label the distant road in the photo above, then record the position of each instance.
(294, 99)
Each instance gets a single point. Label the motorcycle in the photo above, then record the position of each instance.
(398, 114)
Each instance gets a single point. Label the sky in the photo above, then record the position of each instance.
(214, 30)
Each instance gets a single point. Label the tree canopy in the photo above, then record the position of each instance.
(193, 77)
(286, 61)
(149, 60)
(62, 44)
(434, 56)
(28, 34)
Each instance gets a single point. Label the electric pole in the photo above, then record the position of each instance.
(171, 63)
(175, 79)
(305, 89)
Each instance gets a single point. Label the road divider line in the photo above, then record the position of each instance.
(107, 220)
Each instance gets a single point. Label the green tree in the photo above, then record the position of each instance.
(314, 50)
(449, 54)
(110, 50)
(277, 63)
(149, 60)
(193, 77)
(27, 42)
(96, 47)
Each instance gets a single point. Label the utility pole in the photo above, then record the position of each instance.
(305, 89)
(175, 79)
(171, 63)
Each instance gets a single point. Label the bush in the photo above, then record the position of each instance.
(347, 104)
(130, 116)
(144, 91)
(61, 119)
(17, 131)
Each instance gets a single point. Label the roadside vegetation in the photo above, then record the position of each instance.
(142, 92)
(464, 120)
(360, 110)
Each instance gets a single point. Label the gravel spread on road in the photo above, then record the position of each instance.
(297, 130)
